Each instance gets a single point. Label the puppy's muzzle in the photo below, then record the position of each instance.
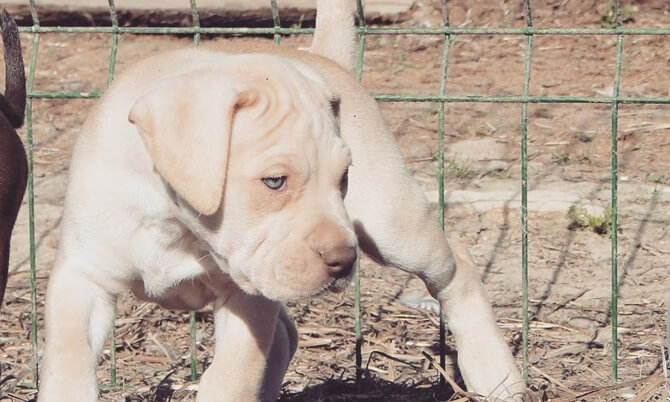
(339, 259)
(337, 250)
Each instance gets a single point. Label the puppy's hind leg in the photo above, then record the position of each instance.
(79, 316)
(396, 228)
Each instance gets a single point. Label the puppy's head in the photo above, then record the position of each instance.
(252, 151)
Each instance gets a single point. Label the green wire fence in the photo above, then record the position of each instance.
(439, 99)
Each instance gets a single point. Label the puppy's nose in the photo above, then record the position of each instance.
(339, 259)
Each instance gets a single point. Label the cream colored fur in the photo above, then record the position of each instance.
(169, 197)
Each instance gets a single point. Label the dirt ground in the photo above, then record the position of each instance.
(569, 160)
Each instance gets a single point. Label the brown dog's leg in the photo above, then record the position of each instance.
(14, 177)
(13, 164)
(4, 260)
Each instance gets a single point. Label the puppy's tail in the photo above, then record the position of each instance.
(335, 33)
(13, 104)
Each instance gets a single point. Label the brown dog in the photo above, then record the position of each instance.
(13, 164)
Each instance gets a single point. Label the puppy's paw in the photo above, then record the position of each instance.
(418, 299)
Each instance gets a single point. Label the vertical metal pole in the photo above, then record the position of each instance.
(440, 163)
(275, 20)
(357, 276)
(194, 357)
(110, 78)
(667, 329)
(192, 322)
(524, 195)
(31, 188)
(115, 42)
(196, 23)
(615, 184)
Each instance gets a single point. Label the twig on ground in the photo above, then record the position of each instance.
(554, 381)
(610, 388)
(648, 390)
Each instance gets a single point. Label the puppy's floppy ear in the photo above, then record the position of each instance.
(185, 123)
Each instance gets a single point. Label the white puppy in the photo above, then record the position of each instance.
(221, 176)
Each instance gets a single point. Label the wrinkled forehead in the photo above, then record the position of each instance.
(292, 120)
(292, 129)
(297, 80)
(290, 98)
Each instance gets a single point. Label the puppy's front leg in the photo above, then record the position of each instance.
(79, 315)
(255, 342)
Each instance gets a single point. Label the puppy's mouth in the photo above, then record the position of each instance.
(332, 286)
(340, 285)
(335, 288)
(280, 290)
(290, 293)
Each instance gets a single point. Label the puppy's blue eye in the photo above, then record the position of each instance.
(274, 182)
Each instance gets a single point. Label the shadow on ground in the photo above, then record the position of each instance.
(369, 389)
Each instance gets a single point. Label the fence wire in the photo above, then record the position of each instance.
(439, 99)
